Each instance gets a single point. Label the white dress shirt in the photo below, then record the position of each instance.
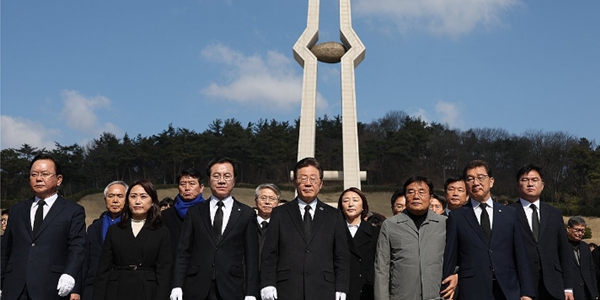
(490, 210)
(227, 206)
(313, 207)
(49, 202)
(529, 212)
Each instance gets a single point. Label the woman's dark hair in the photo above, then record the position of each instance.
(365, 203)
(154, 218)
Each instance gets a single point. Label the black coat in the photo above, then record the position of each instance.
(232, 261)
(551, 255)
(174, 223)
(134, 268)
(93, 245)
(306, 268)
(362, 260)
(584, 276)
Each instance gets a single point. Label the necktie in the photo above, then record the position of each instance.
(263, 227)
(485, 221)
(307, 221)
(535, 222)
(218, 221)
(39, 216)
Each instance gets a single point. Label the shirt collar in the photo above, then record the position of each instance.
(49, 201)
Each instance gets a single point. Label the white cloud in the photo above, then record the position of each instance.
(451, 18)
(17, 131)
(449, 114)
(269, 82)
(80, 113)
(422, 114)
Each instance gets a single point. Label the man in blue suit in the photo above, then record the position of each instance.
(483, 239)
(44, 243)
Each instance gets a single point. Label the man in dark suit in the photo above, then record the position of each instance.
(190, 189)
(455, 189)
(581, 263)
(483, 239)
(217, 255)
(114, 198)
(545, 239)
(44, 243)
(266, 197)
(305, 255)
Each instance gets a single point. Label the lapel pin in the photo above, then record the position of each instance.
(321, 208)
(239, 209)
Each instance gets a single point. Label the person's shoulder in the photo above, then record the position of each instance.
(168, 213)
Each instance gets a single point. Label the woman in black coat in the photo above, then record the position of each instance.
(136, 259)
(362, 243)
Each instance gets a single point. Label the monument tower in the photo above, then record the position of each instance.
(350, 53)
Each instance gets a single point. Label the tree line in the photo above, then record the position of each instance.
(392, 148)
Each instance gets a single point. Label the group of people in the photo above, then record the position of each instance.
(466, 247)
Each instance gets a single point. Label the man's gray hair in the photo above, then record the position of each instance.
(576, 220)
(267, 186)
(113, 183)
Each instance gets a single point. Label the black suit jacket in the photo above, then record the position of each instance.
(551, 255)
(584, 276)
(503, 258)
(39, 261)
(133, 267)
(302, 267)
(362, 260)
(174, 222)
(232, 261)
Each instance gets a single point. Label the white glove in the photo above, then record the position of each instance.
(249, 298)
(176, 294)
(268, 293)
(65, 284)
(340, 296)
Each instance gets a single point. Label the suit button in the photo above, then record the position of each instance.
(32, 244)
(307, 250)
(307, 274)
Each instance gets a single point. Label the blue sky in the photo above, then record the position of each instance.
(74, 69)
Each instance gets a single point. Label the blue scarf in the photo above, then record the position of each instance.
(182, 206)
(107, 221)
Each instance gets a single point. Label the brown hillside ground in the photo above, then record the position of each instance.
(379, 202)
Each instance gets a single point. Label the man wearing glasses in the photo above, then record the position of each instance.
(543, 232)
(266, 197)
(43, 247)
(483, 239)
(305, 255)
(581, 263)
(217, 256)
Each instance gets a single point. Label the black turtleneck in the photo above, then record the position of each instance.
(418, 219)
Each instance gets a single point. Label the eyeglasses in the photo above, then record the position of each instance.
(312, 179)
(219, 177)
(267, 198)
(413, 192)
(479, 178)
(577, 230)
(533, 181)
(43, 175)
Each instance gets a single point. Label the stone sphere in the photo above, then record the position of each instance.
(329, 52)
